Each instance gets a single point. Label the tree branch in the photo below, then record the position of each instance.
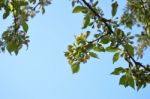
(96, 14)
(111, 32)
(98, 38)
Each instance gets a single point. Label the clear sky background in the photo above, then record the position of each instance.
(42, 71)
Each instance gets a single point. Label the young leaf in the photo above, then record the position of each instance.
(87, 34)
(139, 85)
(123, 81)
(6, 14)
(11, 46)
(130, 49)
(92, 54)
(105, 40)
(95, 4)
(118, 70)
(131, 82)
(114, 8)
(115, 57)
(86, 21)
(73, 3)
(112, 49)
(99, 48)
(127, 80)
(78, 9)
(25, 26)
(75, 67)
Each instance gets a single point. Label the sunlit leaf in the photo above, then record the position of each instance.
(115, 57)
(78, 9)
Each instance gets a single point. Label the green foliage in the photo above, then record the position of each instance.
(127, 80)
(111, 37)
(15, 36)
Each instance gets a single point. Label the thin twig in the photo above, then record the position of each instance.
(98, 38)
(36, 6)
(111, 31)
(96, 14)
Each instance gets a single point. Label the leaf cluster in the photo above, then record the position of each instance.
(111, 37)
(21, 11)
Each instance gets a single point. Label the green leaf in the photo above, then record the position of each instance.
(123, 81)
(131, 82)
(89, 46)
(78, 9)
(16, 51)
(116, 57)
(25, 26)
(127, 80)
(112, 49)
(105, 40)
(43, 10)
(6, 14)
(66, 54)
(86, 21)
(130, 49)
(11, 46)
(75, 67)
(92, 54)
(87, 34)
(73, 3)
(99, 48)
(95, 4)
(114, 8)
(118, 70)
(139, 85)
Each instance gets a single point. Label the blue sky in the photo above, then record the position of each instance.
(42, 71)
